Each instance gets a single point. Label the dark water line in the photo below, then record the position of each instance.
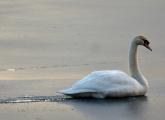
(66, 99)
(29, 99)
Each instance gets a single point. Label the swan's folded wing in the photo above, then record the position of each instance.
(103, 80)
(102, 83)
(71, 91)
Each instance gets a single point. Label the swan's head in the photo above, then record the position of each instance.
(141, 40)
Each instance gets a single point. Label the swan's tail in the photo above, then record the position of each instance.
(68, 91)
(81, 93)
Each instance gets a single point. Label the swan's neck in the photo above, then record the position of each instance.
(133, 65)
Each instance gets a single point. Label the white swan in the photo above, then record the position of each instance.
(113, 83)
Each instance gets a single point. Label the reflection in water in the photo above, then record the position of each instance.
(106, 109)
(96, 109)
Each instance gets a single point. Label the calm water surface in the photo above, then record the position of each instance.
(47, 45)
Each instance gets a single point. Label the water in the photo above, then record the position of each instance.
(47, 45)
(45, 34)
(30, 99)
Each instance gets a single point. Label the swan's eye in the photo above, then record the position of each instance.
(146, 42)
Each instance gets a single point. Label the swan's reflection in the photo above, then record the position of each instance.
(111, 109)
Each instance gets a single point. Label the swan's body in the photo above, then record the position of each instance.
(113, 83)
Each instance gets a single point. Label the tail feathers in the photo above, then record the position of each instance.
(72, 91)
(67, 91)
(82, 93)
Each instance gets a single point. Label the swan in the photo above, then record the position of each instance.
(113, 83)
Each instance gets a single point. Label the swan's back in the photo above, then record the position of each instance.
(102, 84)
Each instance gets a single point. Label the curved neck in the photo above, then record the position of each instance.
(133, 65)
